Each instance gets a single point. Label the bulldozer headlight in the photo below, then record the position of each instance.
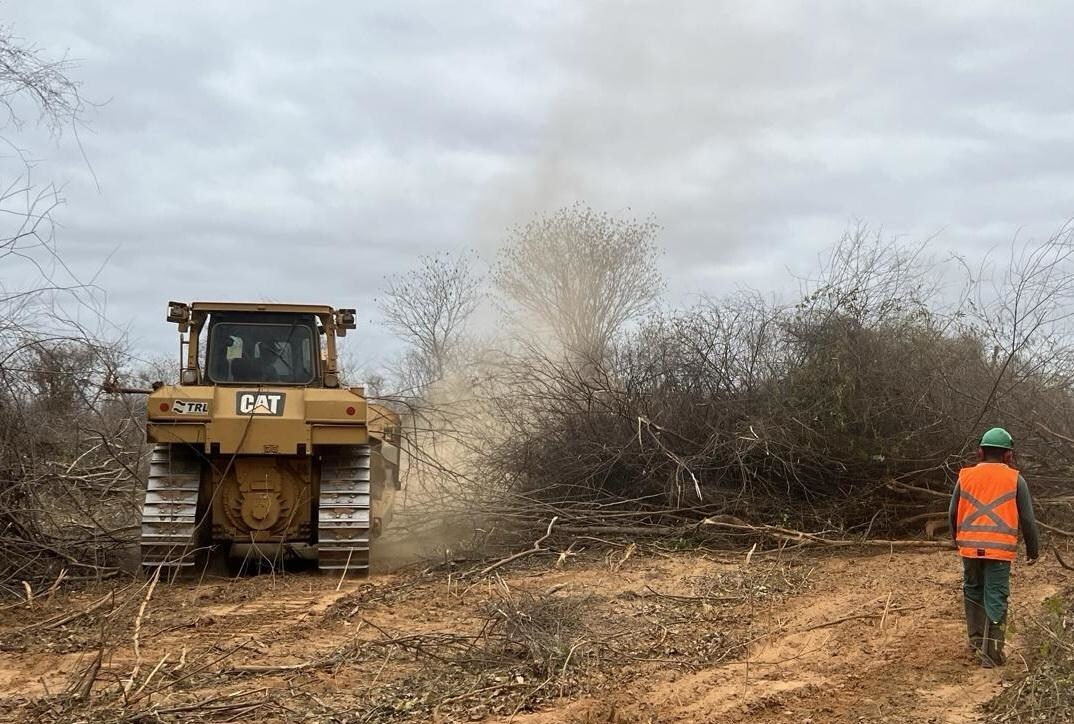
(331, 380)
(189, 377)
(180, 314)
(344, 319)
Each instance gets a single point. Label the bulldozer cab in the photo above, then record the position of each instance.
(263, 348)
(260, 344)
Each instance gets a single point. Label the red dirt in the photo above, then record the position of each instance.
(909, 665)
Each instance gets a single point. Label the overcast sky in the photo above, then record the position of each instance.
(302, 151)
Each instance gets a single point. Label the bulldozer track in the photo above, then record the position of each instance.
(343, 516)
(169, 514)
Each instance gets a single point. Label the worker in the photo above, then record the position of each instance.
(989, 506)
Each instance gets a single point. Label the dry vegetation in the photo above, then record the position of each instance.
(1046, 691)
(845, 414)
(68, 497)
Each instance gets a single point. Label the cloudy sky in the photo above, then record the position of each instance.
(302, 151)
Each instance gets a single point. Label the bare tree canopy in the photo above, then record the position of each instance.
(26, 73)
(31, 82)
(581, 274)
(429, 306)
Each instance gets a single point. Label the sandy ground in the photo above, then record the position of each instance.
(913, 669)
(682, 637)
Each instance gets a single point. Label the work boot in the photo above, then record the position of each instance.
(975, 624)
(994, 638)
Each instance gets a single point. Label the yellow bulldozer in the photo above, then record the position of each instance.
(258, 451)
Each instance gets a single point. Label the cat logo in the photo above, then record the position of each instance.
(190, 407)
(259, 403)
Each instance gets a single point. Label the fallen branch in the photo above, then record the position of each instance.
(624, 530)
(80, 690)
(1062, 563)
(845, 619)
(530, 551)
(1050, 431)
(69, 617)
(138, 630)
(702, 599)
(190, 674)
(208, 704)
(896, 485)
(797, 535)
(1057, 531)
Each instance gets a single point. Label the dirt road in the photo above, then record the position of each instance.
(609, 637)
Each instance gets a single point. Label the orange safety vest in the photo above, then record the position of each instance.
(988, 512)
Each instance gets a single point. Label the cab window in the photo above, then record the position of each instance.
(253, 352)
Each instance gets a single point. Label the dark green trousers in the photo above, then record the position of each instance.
(987, 584)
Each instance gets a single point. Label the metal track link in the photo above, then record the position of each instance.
(171, 506)
(343, 511)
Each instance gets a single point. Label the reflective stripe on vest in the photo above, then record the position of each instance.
(988, 512)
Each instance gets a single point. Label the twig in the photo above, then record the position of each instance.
(887, 607)
(89, 676)
(346, 567)
(266, 668)
(56, 584)
(138, 630)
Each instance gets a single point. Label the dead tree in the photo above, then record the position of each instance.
(429, 307)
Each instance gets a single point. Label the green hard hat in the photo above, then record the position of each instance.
(997, 437)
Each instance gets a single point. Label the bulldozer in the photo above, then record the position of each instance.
(259, 453)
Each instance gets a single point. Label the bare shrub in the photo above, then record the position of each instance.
(69, 465)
